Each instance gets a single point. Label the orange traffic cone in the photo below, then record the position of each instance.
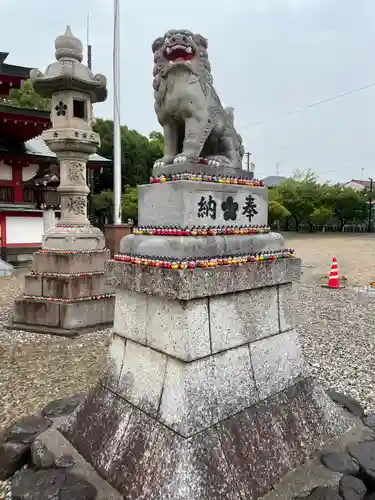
(333, 278)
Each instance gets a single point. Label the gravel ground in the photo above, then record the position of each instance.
(35, 369)
(337, 333)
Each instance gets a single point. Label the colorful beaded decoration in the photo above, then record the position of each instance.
(59, 251)
(199, 230)
(167, 263)
(217, 179)
(66, 275)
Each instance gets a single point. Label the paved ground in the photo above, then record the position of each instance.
(337, 332)
(354, 252)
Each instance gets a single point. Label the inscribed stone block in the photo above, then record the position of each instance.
(142, 377)
(190, 203)
(203, 392)
(177, 328)
(277, 362)
(287, 303)
(243, 317)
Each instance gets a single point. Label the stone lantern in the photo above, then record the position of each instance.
(65, 292)
(73, 88)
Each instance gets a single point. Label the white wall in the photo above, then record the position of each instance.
(24, 229)
(29, 172)
(354, 185)
(5, 172)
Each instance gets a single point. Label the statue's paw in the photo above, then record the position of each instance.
(159, 163)
(181, 158)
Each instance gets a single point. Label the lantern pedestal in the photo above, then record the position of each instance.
(65, 294)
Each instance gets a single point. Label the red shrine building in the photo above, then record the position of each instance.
(24, 156)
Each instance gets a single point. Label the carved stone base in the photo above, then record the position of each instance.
(85, 237)
(200, 168)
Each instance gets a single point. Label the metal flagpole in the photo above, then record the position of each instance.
(116, 117)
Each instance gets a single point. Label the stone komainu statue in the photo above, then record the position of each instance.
(187, 106)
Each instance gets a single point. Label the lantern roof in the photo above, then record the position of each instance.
(68, 73)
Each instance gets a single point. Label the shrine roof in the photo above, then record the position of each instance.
(37, 147)
(12, 70)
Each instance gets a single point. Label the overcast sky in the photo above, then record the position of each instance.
(268, 57)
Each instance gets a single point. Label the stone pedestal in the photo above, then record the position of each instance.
(205, 394)
(65, 294)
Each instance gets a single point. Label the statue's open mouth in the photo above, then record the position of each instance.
(179, 53)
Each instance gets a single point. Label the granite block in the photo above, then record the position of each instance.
(111, 374)
(199, 247)
(177, 204)
(142, 377)
(53, 262)
(67, 287)
(243, 456)
(277, 362)
(177, 328)
(36, 312)
(198, 394)
(202, 282)
(243, 317)
(81, 314)
(130, 315)
(287, 304)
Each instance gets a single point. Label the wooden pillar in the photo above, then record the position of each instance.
(17, 183)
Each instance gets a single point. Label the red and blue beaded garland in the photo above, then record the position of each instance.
(78, 299)
(217, 179)
(167, 263)
(199, 230)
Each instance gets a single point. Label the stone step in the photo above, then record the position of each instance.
(65, 262)
(61, 316)
(64, 286)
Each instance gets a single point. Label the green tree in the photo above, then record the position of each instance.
(300, 198)
(276, 212)
(129, 204)
(26, 97)
(322, 215)
(103, 204)
(347, 204)
(138, 154)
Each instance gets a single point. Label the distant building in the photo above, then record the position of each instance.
(273, 180)
(356, 184)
